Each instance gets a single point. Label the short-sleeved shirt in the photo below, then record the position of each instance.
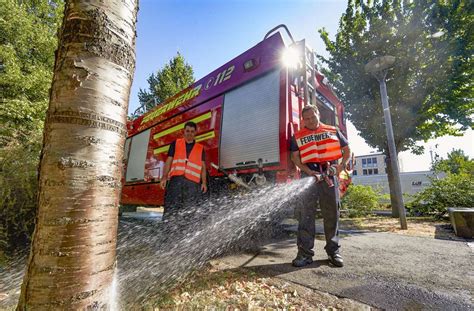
(316, 166)
(189, 147)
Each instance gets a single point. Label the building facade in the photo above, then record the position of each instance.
(411, 182)
(371, 170)
(372, 164)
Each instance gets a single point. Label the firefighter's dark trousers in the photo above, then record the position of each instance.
(181, 195)
(328, 198)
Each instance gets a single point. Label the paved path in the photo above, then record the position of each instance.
(384, 270)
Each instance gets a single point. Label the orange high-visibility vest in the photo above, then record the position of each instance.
(189, 167)
(320, 145)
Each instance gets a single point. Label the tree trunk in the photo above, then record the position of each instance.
(72, 257)
(394, 201)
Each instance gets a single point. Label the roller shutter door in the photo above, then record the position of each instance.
(136, 160)
(250, 123)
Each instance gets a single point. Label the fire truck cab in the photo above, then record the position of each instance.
(246, 112)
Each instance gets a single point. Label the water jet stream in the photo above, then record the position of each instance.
(153, 255)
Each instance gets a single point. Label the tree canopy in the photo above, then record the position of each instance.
(430, 87)
(175, 76)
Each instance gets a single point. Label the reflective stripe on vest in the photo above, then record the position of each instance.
(189, 167)
(320, 145)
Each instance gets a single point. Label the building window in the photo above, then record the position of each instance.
(364, 172)
(374, 161)
(376, 171)
(354, 173)
(370, 171)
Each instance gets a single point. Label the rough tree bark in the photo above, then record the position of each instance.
(72, 258)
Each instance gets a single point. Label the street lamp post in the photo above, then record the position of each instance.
(379, 67)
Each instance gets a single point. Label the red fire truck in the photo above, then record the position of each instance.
(246, 112)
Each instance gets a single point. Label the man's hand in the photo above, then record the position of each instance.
(203, 187)
(310, 172)
(339, 168)
(317, 175)
(164, 178)
(163, 183)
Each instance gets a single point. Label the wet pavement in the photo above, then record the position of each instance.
(384, 270)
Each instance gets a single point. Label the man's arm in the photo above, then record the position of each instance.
(346, 152)
(295, 157)
(346, 155)
(166, 171)
(203, 178)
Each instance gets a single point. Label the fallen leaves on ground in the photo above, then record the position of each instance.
(211, 289)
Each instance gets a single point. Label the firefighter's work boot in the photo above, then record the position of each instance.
(336, 260)
(301, 261)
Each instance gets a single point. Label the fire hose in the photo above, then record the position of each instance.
(326, 176)
(234, 178)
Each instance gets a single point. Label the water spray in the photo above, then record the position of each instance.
(155, 256)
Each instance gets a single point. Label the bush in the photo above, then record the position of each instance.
(18, 191)
(28, 38)
(360, 200)
(456, 190)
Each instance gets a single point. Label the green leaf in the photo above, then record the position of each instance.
(430, 87)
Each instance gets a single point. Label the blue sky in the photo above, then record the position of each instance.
(208, 33)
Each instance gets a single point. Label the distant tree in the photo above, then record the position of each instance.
(73, 254)
(431, 85)
(27, 43)
(456, 163)
(175, 76)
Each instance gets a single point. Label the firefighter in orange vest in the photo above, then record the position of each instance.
(313, 149)
(185, 169)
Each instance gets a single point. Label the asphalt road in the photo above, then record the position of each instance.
(384, 270)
